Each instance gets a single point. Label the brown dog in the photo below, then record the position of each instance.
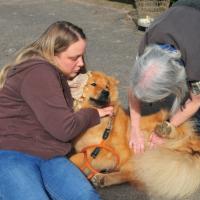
(170, 170)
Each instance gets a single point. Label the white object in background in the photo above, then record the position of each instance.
(145, 22)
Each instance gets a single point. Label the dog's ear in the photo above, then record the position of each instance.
(113, 80)
(89, 73)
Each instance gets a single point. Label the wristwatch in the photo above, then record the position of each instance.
(195, 87)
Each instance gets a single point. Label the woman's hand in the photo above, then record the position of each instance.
(136, 141)
(155, 140)
(106, 111)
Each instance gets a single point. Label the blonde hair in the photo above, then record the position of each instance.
(56, 39)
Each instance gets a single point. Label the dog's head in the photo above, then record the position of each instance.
(99, 91)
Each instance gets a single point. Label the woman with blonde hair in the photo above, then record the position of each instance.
(37, 121)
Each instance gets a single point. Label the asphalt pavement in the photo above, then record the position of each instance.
(112, 46)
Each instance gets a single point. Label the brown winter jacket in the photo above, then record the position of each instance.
(36, 114)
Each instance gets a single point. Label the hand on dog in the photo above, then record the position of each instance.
(106, 111)
(136, 142)
(155, 140)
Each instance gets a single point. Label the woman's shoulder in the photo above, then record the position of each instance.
(35, 64)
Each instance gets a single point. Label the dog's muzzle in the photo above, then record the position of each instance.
(103, 99)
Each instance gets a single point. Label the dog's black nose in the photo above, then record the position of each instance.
(102, 100)
(105, 93)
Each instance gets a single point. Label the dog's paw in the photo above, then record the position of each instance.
(163, 130)
(98, 180)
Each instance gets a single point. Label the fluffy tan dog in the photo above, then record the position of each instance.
(103, 154)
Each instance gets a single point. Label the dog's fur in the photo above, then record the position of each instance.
(170, 170)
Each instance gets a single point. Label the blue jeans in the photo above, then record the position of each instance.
(28, 177)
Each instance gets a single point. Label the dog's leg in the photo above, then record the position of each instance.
(125, 174)
(104, 180)
(78, 159)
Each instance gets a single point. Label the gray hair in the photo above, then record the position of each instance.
(157, 74)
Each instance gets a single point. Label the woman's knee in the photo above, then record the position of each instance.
(17, 168)
(64, 180)
(17, 163)
(59, 167)
(20, 177)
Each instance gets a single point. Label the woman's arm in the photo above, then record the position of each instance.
(42, 91)
(136, 137)
(191, 107)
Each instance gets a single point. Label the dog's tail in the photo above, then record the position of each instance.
(168, 173)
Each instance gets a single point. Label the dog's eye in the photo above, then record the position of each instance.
(107, 87)
(93, 84)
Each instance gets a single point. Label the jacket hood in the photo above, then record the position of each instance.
(24, 65)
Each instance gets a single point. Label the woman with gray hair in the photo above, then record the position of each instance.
(168, 61)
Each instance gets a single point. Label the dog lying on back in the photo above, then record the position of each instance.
(103, 154)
